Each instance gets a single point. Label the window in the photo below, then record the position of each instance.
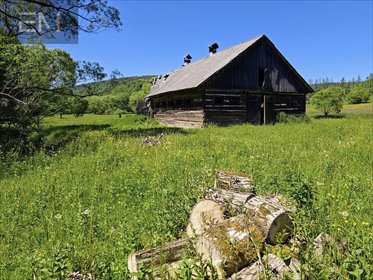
(234, 101)
(170, 103)
(197, 102)
(187, 102)
(177, 102)
(261, 73)
(218, 100)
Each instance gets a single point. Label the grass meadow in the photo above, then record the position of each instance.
(96, 194)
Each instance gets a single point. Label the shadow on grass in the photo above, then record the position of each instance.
(151, 131)
(57, 137)
(342, 116)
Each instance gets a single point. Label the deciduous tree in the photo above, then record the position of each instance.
(328, 100)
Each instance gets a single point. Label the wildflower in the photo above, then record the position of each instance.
(365, 223)
(344, 213)
(319, 184)
(86, 212)
(58, 216)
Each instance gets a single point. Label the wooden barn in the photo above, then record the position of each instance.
(250, 82)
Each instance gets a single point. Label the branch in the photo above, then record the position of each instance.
(20, 20)
(8, 96)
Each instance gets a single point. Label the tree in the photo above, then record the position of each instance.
(328, 100)
(79, 107)
(29, 76)
(18, 17)
(358, 95)
(116, 74)
(139, 96)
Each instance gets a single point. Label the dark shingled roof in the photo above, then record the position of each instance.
(195, 73)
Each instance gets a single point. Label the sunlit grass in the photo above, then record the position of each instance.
(104, 194)
(348, 109)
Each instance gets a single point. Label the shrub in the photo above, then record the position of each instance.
(358, 95)
(329, 100)
(282, 117)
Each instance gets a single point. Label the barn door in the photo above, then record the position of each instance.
(254, 108)
(269, 114)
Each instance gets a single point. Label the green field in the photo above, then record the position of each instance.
(97, 193)
(348, 109)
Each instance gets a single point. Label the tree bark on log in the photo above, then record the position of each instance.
(230, 245)
(251, 272)
(275, 266)
(233, 197)
(271, 218)
(217, 206)
(234, 182)
(168, 253)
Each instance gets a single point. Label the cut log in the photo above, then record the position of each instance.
(234, 182)
(168, 253)
(256, 271)
(233, 197)
(249, 273)
(324, 241)
(271, 218)
(319, 243)
(204, 214)
(230, 245)
(277, 265)
(219, 204)
(233, 202)
(295, 267)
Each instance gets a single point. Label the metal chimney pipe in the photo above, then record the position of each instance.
(187, 59)
(212, 48)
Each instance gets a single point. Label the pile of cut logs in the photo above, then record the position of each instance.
(230, 228)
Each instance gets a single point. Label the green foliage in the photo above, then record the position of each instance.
(359, 94)
(30, 79)
(79, 107)
(139, 96)
(120, 94)
(102, 195)
(328, 100)
(282, 117)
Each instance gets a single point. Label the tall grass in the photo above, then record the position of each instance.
(103, 195)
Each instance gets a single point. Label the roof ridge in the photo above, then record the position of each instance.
(190, 75)
(226, 49)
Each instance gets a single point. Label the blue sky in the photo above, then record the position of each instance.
(319, 38)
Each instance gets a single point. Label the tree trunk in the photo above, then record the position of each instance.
(230, 245)
(270, 217)
(234, 182)
(168, 253)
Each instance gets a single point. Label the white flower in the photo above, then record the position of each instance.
(86, 212)
(58, 216)
(319, 184)
(344, 213)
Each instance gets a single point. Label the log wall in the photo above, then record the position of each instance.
(181, 118)
(225, 108)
